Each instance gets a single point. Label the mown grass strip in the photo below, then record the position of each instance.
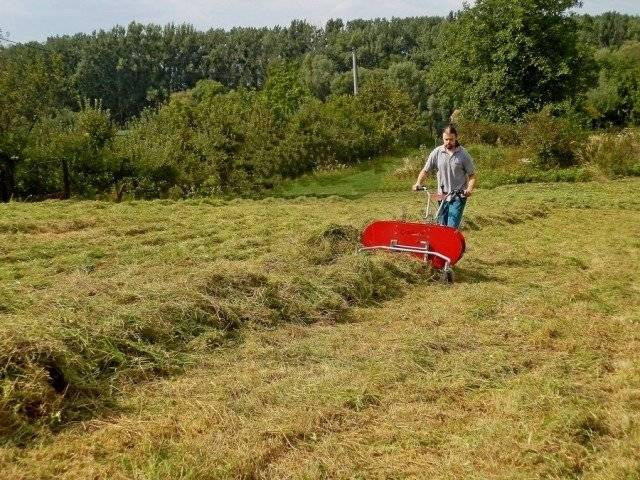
(67, 371)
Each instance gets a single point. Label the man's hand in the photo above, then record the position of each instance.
(416, 187)
(470, 186)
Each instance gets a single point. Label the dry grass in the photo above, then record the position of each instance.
(95, 294)
(614, 154)
(525, 368)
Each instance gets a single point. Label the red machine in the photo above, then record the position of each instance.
(439, 245)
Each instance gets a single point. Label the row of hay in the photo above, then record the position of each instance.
(55, 372)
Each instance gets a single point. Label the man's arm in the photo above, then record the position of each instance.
(421, 176)
(470, 185)
(470, 168)
(429, 165)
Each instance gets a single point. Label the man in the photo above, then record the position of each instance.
(455, 172)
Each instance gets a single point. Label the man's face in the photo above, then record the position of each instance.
(449, 140)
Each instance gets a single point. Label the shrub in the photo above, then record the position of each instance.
(396, 118)
(487, 133)
(552, 141)
(68, 153)
(412, 164)
(493, 158)
(615, 154)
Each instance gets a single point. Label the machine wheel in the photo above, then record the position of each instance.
(447, 275)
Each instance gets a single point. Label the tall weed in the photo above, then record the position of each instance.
(487, 133)
(615, 154)
(552, 141)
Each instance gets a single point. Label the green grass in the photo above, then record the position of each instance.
(349, 182)
(246, 339)
(395, 173)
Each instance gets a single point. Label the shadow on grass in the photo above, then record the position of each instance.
(346, 196)
(475, 275)
(510, 262)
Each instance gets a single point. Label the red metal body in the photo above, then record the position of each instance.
(396, 235)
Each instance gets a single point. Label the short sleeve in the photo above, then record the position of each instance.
(432, 161)
(467, 163)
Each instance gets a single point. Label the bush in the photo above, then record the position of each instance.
(615, 154)
(411, 165)
(68, 154)
(487, 133)
(208, 141)
(552, 141)
(494, 158)
(396, 118)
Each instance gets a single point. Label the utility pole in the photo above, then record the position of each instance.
(355, 72)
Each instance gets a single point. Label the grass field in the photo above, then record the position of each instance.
(245, 339)
(392, 173)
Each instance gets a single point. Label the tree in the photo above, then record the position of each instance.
(318, 72)
(69, 153)
(407, 77)
(396, 118)
(30, 86)
(240, 57)
(284, 90)
(613, 29)
(616, 99)
(342, 84)
(138, 66)
(500, 59)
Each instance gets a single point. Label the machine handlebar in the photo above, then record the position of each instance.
(442, 196)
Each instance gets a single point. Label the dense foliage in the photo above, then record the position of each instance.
(501, 59)
(176, 111)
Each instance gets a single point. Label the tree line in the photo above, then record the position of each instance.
(169, 110)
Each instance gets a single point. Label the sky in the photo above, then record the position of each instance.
(26, 20)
